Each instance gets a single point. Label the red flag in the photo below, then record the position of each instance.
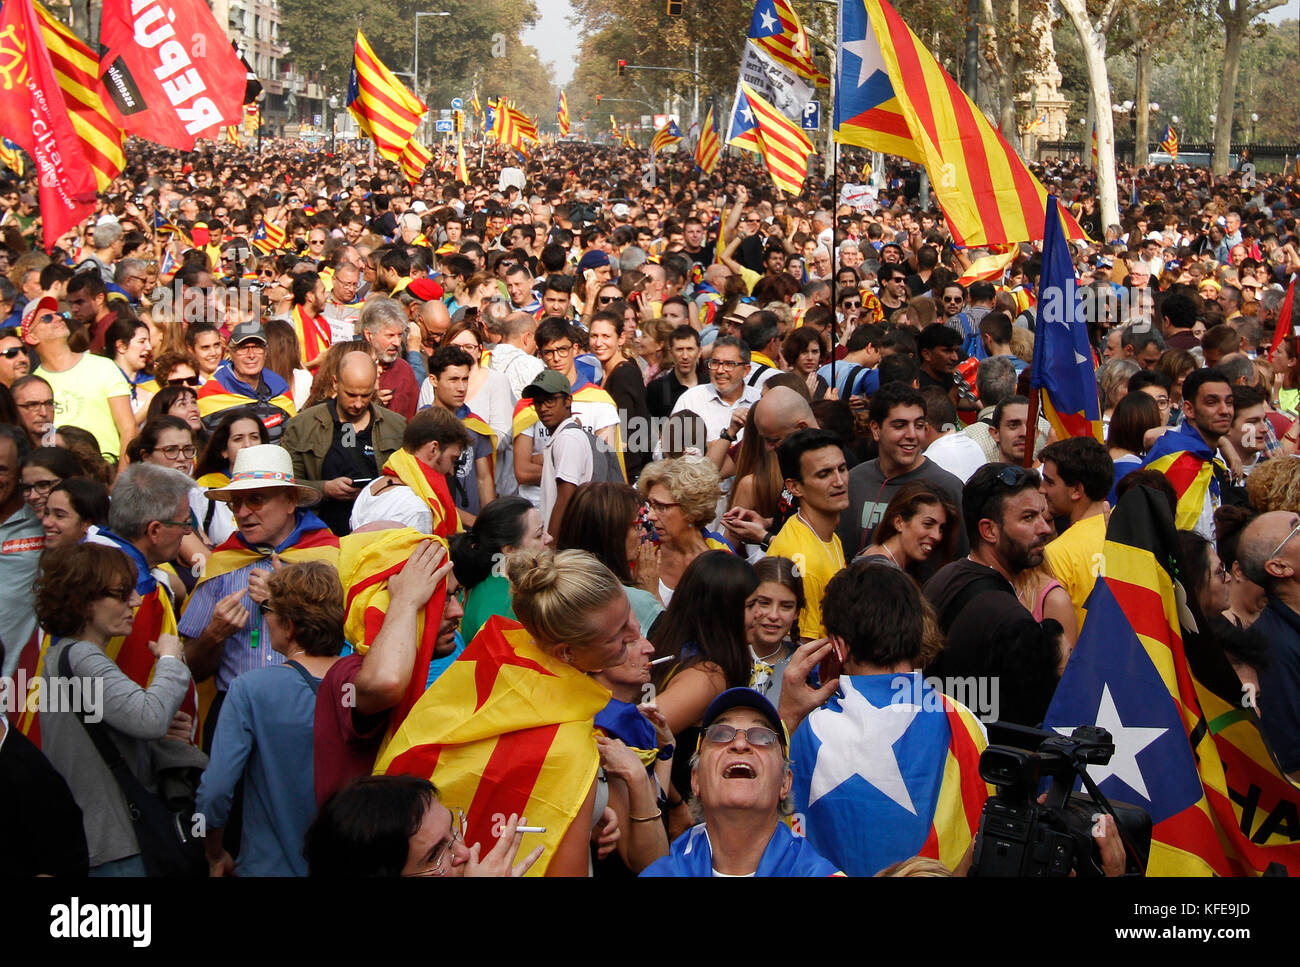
(34, 116)
(169, 70)
(1283, 319)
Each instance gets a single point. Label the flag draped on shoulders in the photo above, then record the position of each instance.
(1062, 367)
(225, 390)
(1187, 749)
(311, 540)
(786, 854)
(384, 109)
(888, 769)
(430, 486)
(313, 332)
(505, 729)
(366, 564)
(893, 96)
(1187, 462)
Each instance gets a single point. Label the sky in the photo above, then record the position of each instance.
(553, 36)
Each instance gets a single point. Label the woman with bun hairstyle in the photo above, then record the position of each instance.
(508, 729)
(478, 553)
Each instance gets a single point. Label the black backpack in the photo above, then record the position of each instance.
(604, 460)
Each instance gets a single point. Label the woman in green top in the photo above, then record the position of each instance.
(604, 519)
(478, 558)
(1286, 364)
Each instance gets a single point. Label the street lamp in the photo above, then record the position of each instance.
(334, 117)
(1254, 119)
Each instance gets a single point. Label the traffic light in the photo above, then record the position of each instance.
(675, 7)
(622, 68)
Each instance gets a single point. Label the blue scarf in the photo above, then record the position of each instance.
(786, 855)
(274, 383)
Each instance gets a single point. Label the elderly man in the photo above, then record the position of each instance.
(245, 380)
(224, 632)
(1269, 553)
(383, 326)
(716, 401)
(107, 241)
(343, 308)
(515, 357)
(740, 787)
(339, 446)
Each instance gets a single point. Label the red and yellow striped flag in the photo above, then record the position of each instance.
(385, 110)
(893, 96)
(562, 115)
(986, 268)
(505, 729)
(77, 71)
(708, 148)
(11, 156)
(415, 158)
(1094, 145)
(779, 140)
(668, 134)
(462, 170)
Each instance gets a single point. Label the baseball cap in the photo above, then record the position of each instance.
(549, 382)
(593, 260)
(742, 697)
(45, 302)
(621, 210)
(246, 331)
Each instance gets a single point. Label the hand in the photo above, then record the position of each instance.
(414, 338)
(385, 397)
(229, 616)
(798, 698)
(606, 834)
(742, 195)
(222, 866)
(258, 587)
(663, 734)
(647, 566)
(340, 488)
(167, 645)
(619, 761)
(414, 584)
(1106, 834)
(833, 393)
(738, 417)
(181, 728)
(746, 524)
(502, 855)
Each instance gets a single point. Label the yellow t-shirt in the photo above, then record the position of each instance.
(81, 396)
(817, 561)
(1075, 559)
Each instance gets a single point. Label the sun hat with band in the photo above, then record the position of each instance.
(260, 467)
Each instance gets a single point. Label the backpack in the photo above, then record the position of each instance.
(604, 460)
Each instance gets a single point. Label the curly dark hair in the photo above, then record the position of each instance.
(71, 579)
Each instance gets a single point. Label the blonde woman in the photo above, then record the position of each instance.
(682, 496)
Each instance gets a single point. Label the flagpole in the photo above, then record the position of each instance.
(1032, 430)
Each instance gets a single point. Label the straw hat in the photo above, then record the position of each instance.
(263, 466)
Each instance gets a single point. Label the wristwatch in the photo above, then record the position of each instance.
(726, 435)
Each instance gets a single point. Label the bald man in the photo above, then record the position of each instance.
(1269, 552)
(341, 445)
(781, 412)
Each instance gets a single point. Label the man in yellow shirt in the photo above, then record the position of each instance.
(813, 466)
(1077, 475)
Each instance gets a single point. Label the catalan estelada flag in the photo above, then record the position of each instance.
(893, 96)
(889, 768)
(775, 29)
(1062, 369)
(668, 134)
(385, 110)
(11, 156)
(1187, 462)
(1188, 748)
(709, 147)
(1170, 141)
(268, 237)
(414, 160)
(476, 104)
(226, 390)
(366, 563)
(562, 114)
(505, 729)
(779, 140)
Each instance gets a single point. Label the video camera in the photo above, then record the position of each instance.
(1020, 836)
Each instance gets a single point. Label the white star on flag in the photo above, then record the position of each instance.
(747, 114)
(1129, 741)
(861, 49)
(769, 21)
(859, 740)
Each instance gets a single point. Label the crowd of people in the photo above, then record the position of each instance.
(575, 522)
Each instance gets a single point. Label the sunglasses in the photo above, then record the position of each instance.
(1012, 476)
(183, 381)
(12, 352)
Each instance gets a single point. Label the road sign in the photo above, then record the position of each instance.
(444, 113)
(442, 126)
(812, 117)
(315, 119)
(457, 104)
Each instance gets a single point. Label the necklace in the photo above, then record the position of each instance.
(757, 657)
(885, 548)
(1020, 596)
(291, 655)
(836, 565)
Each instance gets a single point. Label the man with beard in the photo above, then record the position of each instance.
(990, 630)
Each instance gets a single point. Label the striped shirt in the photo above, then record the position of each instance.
(247, 648)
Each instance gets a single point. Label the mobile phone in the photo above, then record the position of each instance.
(830, 666)
(360, 482)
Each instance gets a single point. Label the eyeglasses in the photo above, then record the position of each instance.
(758, 736)
(557, 352)
(12, 352)
(950, 298)
(42, 488)
(472, 347)
(457, 836)
(183, 381)
(264, 608)
(184, 525)
(315, 241)
(659, 507)
(725, 364)
(122, 594)
(253, 501)
(176, 450)
(37, 405)
(1278, 550)
(267, 273)
(250, 346)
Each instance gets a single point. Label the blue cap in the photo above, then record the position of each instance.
(593, 260)
(741, 697)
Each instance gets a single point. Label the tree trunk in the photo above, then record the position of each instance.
(1093, 44)
(1234, 25)
(1141, 98)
